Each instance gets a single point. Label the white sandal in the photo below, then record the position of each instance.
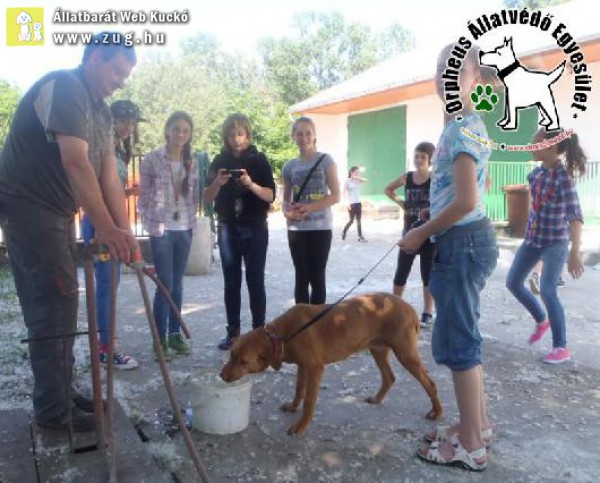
(460, 458)
(441, 434)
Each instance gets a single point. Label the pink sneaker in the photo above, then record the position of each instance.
(540, 330)
(558, 355)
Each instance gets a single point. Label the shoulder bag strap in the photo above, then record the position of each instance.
(301, 190)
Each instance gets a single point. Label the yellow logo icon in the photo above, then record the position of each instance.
(24, 26)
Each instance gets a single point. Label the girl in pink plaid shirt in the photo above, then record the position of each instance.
(554, 217)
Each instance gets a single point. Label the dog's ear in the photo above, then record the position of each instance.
(508, 42)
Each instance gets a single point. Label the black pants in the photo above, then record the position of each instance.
(355, 212)
(405, 262)
(310, 251)
(41, 249)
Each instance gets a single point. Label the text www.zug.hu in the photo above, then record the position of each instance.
(128, 39)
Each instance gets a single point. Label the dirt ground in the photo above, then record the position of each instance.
(548, 417)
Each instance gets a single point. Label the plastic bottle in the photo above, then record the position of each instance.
(189, 416)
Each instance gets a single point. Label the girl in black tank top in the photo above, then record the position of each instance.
(416, 200)
(416, 207)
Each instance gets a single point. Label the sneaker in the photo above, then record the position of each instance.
(121, 361)
(226, 342)
(179, 344)
(426, 320)
(362, 239)
(561, 282)
(165, 349)
(540, 330)
(534, 283)
(558, 355)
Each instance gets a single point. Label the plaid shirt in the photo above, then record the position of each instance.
(156, 190)
(554, 204)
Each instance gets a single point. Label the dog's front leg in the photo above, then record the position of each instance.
(313, 382)
(502, 122)
(291, 407)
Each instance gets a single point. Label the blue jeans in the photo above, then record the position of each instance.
(554, 257)
(247, 242)
(465, 257)
(170, 254)
(102, 274)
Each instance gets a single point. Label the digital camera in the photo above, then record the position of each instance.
(235, 173)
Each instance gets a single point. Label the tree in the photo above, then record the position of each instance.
(9, 100)
(209, 84)
(324, 51)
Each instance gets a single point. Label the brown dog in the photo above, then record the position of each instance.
(379, 322)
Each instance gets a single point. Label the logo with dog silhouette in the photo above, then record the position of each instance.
(523, 88)
(24, 26)
(541, 91)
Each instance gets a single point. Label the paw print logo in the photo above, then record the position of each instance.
(485, 99)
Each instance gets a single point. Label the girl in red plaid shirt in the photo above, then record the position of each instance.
(554, 218)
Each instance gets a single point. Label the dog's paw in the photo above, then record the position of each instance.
(434, 415)
(297, 429)
(372, 400)
(289, 407)
(484, 99)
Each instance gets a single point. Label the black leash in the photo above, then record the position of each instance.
(338, 301)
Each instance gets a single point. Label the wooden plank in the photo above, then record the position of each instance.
(134, 463)
(18, 471)
(17, 463)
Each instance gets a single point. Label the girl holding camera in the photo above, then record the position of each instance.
(242, 186)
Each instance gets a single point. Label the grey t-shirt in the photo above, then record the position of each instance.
(295, 171)
(30, 162)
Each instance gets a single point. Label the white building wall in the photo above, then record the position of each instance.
(332, 138)
(425, 121)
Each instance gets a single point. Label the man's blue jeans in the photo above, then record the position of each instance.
(247, 242)
(554, 257)
(170, 253)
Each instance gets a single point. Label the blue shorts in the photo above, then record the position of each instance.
(465, 257)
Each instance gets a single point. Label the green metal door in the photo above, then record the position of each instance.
(377, 141)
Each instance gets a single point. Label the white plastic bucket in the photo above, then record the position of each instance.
(201, 250)
(219, 407)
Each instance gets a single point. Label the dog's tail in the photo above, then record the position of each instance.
(556, 73)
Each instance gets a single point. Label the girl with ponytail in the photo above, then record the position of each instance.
(555, 217)
(168, 202)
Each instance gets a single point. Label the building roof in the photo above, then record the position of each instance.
(410, 74)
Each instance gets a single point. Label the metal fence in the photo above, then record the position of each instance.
(514, 173)
(501, 173)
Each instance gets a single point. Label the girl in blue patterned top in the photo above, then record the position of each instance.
(466, 255)
(555, 215)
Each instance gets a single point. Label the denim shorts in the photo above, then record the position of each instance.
(465, 257)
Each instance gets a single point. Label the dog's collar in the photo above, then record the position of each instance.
(509, 69)
(277, 345)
